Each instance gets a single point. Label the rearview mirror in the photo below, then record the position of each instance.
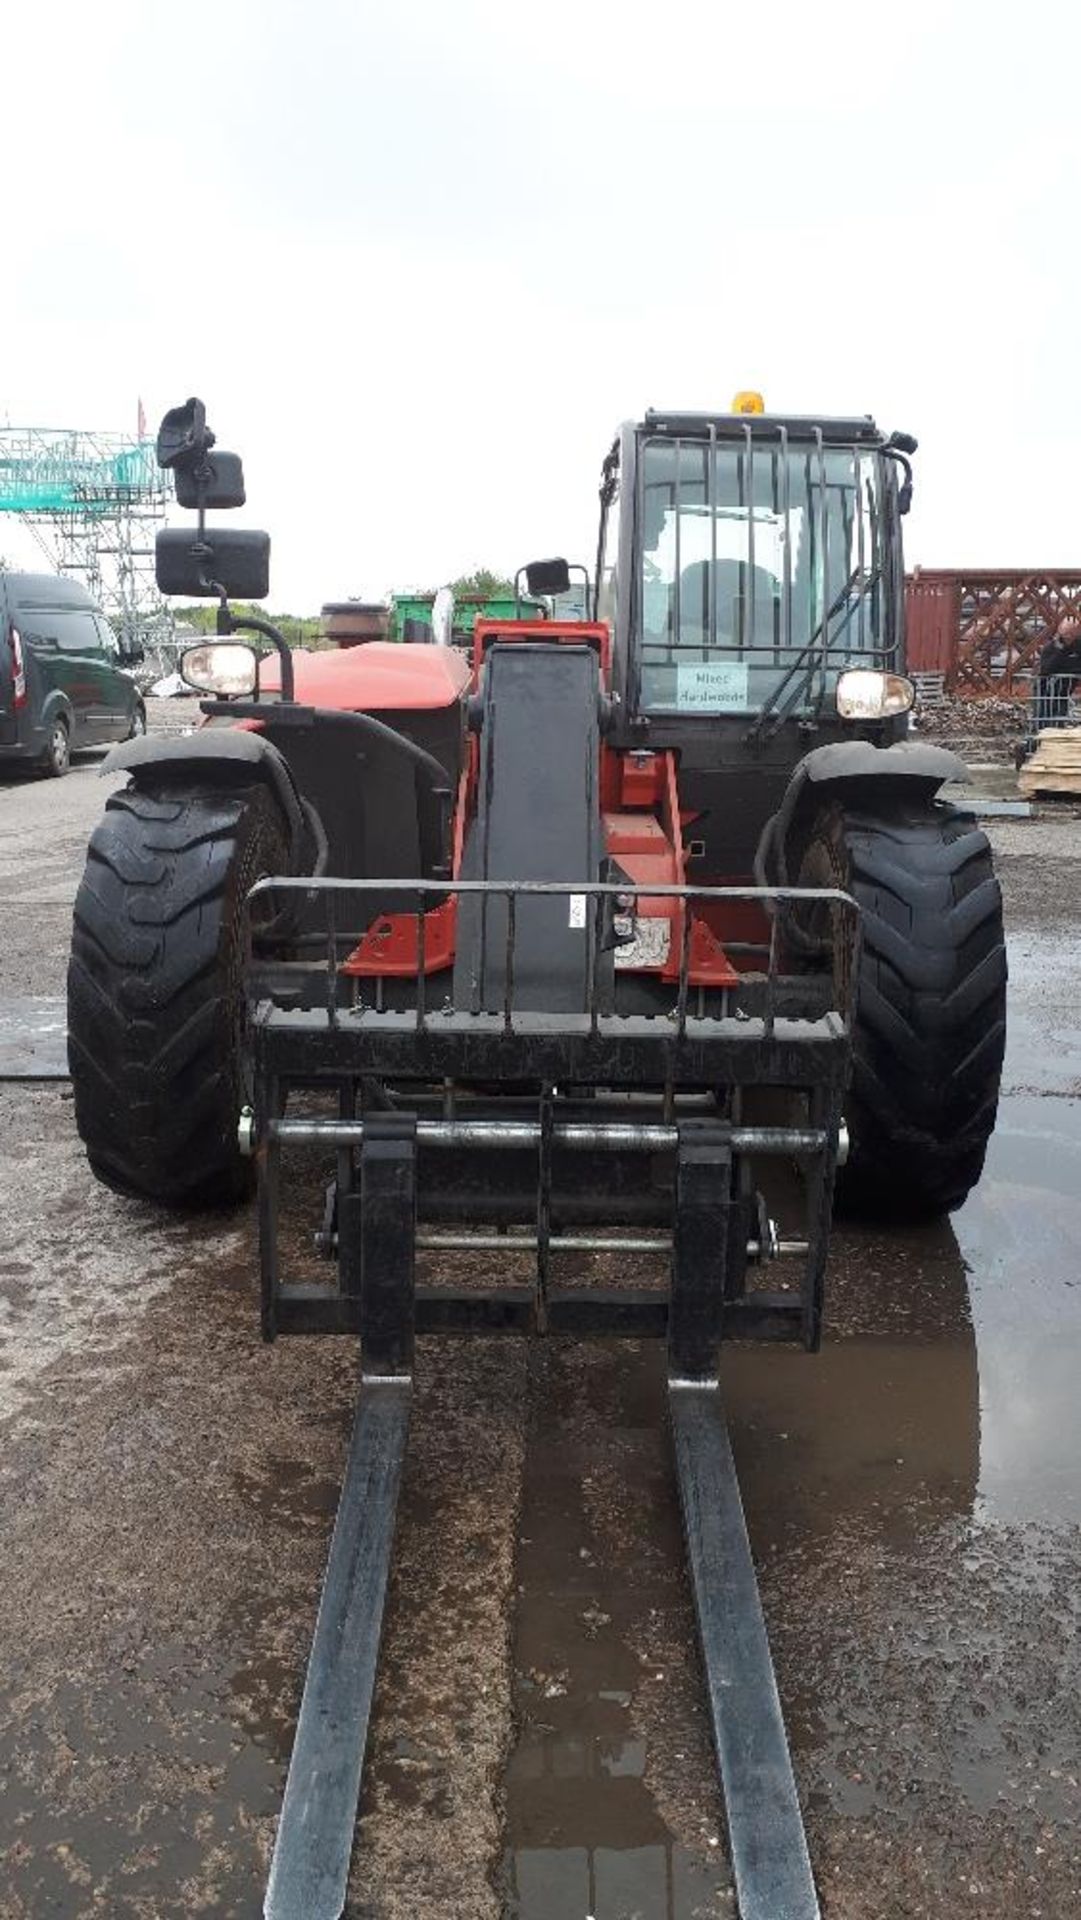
(221, 666)
(235, 561)
(217, 482)
(548, 576)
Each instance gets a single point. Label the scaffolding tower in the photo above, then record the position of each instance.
(93, 502)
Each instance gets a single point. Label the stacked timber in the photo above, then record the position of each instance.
(1055, 767)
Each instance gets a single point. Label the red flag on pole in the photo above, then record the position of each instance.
(142, 422)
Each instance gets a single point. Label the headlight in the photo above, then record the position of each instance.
(222, 666)
(865, 694)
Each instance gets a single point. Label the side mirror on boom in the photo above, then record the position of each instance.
(219, 482)
(203, 478)
(207, 563)
(217, 560)
(210, 562)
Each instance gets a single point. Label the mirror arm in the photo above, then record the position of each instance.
(285, 653)
(900, 456)
(227, 623)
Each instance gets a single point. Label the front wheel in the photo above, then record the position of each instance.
(930, 1026)
(157, 1022)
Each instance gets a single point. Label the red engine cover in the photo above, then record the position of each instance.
(383, 675)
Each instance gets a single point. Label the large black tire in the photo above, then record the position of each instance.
(931, 1009)
(157, 1026)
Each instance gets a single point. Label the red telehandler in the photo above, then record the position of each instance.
(579, 944)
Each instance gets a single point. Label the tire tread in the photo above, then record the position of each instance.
(931, 1019)
(152, 987)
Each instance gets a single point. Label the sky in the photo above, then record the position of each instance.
(420, 259)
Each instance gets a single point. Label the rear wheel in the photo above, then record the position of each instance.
(931, 1010)
(157, 1023)
(56, 759)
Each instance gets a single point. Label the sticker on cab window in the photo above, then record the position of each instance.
(711, 686)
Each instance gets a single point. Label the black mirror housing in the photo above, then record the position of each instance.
(217, 482)
(133, 653)
(184, 439)
(235, 561)
(548, 577)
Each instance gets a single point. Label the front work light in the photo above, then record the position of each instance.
(865, 694)
(222, 667)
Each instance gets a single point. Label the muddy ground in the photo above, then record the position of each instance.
(540, 1750)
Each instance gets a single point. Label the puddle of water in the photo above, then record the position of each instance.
(584, 1834)
(913, 1500)
(881, 1431)
(602, 1883)
(1019, 1234)
(1043, 1045)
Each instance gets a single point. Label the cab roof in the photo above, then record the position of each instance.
(734, 426)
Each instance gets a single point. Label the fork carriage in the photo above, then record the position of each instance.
(526, 1131)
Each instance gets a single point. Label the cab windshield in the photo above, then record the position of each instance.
(760, 568)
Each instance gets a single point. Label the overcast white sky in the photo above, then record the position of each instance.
(420, 259)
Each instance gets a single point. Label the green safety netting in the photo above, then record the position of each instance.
(39, 477)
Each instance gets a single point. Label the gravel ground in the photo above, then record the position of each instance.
(539, 1742)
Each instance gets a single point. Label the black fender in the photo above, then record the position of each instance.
(232, 751)
(860, 766)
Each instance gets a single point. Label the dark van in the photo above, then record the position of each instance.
(62, 679)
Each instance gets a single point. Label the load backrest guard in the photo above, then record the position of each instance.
(538, 818)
